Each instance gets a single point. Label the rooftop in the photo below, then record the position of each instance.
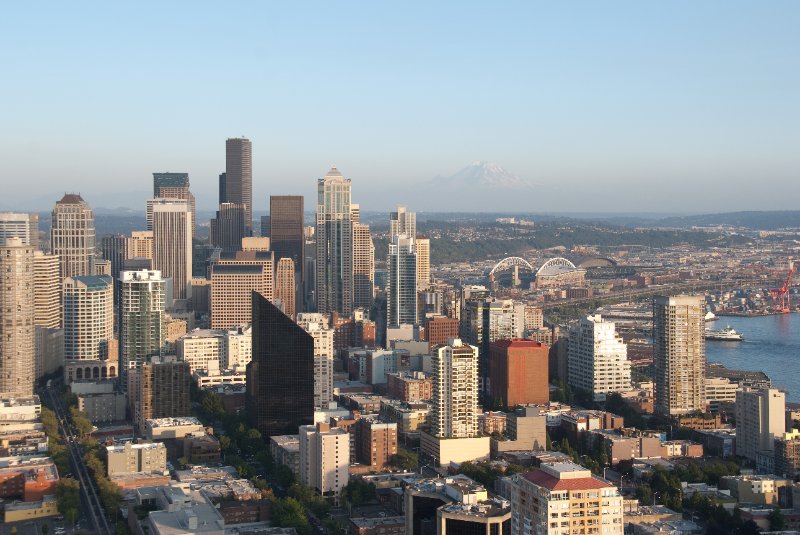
(566, 477)
(173, 422)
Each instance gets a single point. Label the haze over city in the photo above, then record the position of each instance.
(676, 107)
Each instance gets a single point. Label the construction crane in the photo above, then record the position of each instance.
(780, 296)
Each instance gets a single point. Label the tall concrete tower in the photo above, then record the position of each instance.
(285, 286)
(174, 186)
(679, 354)
(72, 235)
(401, 281)
(142, 329)
(17, 334)
(172, 243)
(402, 222)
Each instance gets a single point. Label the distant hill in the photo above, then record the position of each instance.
(751, 220)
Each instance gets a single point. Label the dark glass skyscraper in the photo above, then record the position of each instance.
(286, 232)
(280, 378)
(229, 227)
(239, 177)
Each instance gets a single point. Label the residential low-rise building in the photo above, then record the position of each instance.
(129, 458)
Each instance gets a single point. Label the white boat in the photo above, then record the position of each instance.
(728, 334)
(710, 316)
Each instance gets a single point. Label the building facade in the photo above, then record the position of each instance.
(172, 243)
(285, 286)
(286, 234)
(228, 228)
(679, 354)
(760, 419)
(88, 317)
(518, 373)
(46, 290)
(233, 277)
(324, 458)
(20, 225)
(316, 325)
(401, 282)
(455, 391)
(142, 330)
(238, 178)
(363, 266)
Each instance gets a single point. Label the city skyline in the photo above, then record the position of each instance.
(593, 107)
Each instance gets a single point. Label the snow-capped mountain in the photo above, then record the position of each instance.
(483, 175)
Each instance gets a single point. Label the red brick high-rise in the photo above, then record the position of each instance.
(440, 329)
(518, 372)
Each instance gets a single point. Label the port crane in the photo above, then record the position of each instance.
(780, 296)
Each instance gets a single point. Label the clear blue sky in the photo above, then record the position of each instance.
(611, 106)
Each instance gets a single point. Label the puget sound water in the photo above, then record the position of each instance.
(771, 344)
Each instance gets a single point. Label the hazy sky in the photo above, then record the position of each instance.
(618, 106)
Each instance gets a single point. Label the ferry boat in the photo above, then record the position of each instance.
(728, 334)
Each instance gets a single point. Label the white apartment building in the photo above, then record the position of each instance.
(88, 317)
(324, 458)
(455, 391)
(213, 349)
(760, 419)
(598, 358)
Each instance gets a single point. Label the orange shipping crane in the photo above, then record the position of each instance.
(780, 296)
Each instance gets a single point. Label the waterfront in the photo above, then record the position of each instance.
(771, 344)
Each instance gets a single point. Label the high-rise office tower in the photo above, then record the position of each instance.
(88, 317)
(455, 391)
(597, 358)
(402, 222)
(175, 186)
(760, 419)
(114, 248)
(280, 377)
(46, 290)
(401, 282)
(679, 354)
(233, 277)
(72, 235)
(142, 329)
(285, 286)
(334, 238)
(363, 266)
(286, 234)
(316, 325)
(172, 243)
(223, 195)
(518, 372)
(20, 225)
(140, 244)
(17, 335)
(423, 262)
(239, 177)
(228, 228)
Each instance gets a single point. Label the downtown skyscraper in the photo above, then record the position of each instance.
(174, 186)
(401, 282)
(236, 186)
(72, 235)
(20, 225)
(17, 334)
(172, 243)
(334, 235)
(142, 329)
(286, 236)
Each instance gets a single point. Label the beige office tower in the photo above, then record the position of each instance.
(17, 335)
(172, 243)
(46, 290)
(423, 263)
(363, 266)
(140, 244)
(233, 277)
(317, 326)
(679, 354)
(255, 243)
(455, 391)
(760, 419)
(402, 222)
(88, 317)
(175, 186)
(239, 177)
(285, 286)
(72, 235)
(20, 225)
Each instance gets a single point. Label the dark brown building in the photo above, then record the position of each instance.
(518, 372)
(286, 233)
(280, 378)
(376, 443)
(409, 386)
(163, 391)
(238, 177)
(229, 227)
(439, 329)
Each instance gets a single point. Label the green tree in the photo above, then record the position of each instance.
(777, 522)
(45, 529)
(358, 492)
(68, 495)
(289, 513)
(644, 494)
(405, 460)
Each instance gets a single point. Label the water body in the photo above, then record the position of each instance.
(771, 345)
